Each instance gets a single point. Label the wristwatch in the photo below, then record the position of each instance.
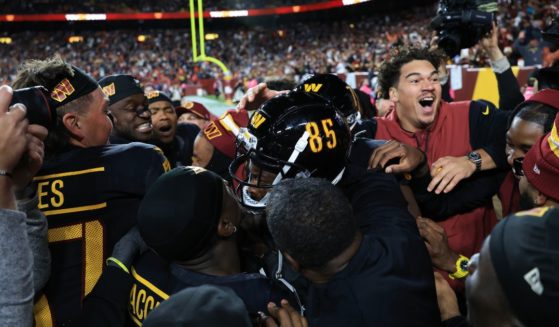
(476, 159)
(461, 268)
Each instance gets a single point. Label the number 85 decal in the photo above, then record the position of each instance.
(315, 138)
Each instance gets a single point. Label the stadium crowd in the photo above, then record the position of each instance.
(303, 206)
(164, 60)
(130, 6)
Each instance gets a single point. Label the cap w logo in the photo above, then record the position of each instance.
(109, 90)
(212, 131)
(152, 94)
(62, 91)
(313, 87)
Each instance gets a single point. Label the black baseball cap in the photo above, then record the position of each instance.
(120, 86)
(155, 96)
(179, 215)
(525, 255)
(205, 305)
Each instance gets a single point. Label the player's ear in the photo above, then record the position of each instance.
(393, 93)
(71, 121)
(225, 228)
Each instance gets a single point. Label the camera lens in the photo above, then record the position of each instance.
(35, 99)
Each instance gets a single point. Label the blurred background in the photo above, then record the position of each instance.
(252, 41)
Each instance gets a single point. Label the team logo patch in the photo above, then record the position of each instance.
(152, 94)
(109, 90)
(189, 105)
(166, 164)
(533, 279)
(553, 141)
(537, 170)
(212, 131)
(62, 91)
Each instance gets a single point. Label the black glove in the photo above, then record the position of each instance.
(128, 248)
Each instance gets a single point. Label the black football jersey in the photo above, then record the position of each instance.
(90, 197)
(155, 280)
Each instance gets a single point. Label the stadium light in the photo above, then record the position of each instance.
(5, 40)
(144, 16)
(228, 13)
(212, 36)
(142, 38)
(82, 17)
(75, 39)
(353, 2)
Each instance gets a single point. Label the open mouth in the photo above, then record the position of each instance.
(427, 101)
(165, 128)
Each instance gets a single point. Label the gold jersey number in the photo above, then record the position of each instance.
(317, 137)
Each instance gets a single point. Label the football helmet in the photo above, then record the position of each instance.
(293, 135)
(332, 88)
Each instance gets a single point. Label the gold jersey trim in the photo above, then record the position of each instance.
(70, 173)
(149, 285)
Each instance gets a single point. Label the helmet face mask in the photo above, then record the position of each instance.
(296, 135)
(261, 176)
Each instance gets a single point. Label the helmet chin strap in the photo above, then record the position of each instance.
(300, 146)
(353, 119)
(279, 277)
(338, 177)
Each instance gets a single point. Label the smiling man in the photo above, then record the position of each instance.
(129, 109)
(459, 139)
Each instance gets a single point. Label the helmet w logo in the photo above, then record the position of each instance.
(257, 120)
(62, 91)
(312, 87)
